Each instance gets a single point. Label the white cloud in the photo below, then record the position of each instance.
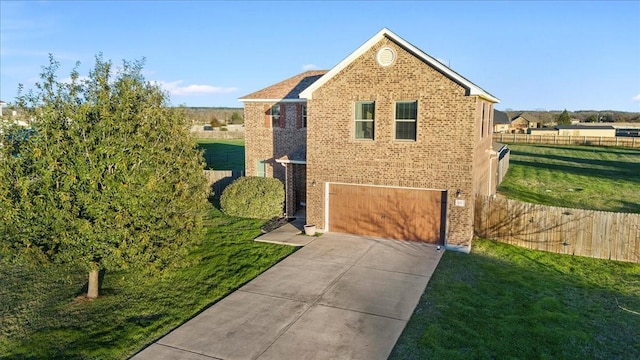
(308, 67)
(175, 88)
(636, 98)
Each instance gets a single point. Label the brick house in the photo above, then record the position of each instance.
(389, 143)
(501, 122)
(521, 122)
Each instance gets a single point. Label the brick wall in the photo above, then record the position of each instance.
(266, 143)
(448, 152)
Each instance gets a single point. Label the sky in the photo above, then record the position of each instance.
(531, 55)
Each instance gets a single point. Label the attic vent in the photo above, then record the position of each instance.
(386, 56)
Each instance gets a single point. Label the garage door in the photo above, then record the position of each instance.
(392, 213)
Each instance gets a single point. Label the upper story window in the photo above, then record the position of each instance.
(482, 128)
(275, 116)
(304, 115)
(406, 120)
(365, 118)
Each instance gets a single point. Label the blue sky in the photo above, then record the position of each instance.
(531, 55)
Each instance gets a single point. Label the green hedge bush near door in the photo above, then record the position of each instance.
(254, 197)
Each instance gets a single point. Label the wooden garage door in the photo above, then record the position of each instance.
(393, 213)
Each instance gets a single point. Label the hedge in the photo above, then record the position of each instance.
(254, 197)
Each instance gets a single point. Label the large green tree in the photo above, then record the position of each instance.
(108, 179)
(564, 118)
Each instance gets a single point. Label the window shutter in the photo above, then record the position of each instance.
(283, 121)
(298, 116)
(267, 116)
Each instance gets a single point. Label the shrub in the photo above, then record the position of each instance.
(214, 122)
(253, 197)
(223, 128)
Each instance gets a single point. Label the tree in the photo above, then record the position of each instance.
(236, 118)
(214, 122)
(109, 180)
(564, 118)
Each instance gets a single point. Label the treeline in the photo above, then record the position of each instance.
(215, 116)
(606, 116)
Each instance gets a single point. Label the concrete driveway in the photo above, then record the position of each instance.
(339, 297)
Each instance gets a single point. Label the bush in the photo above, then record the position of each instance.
(214, 122)
(253, 197)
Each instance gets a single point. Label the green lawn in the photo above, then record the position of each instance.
(505, 302)
(223, 154)
(595, 178)
(40, 318)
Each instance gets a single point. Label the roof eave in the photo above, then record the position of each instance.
(448, 72)
(287, 161)
(274, 100)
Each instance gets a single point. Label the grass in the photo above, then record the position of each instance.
(594, 178)
(506, 302)
(40, 316)
(223, 154)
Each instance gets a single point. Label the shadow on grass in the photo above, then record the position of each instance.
(628, 169)
(583, 148)
(39, 318)
(623, 173)
(503, 301)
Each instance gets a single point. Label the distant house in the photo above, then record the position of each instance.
(2, 104)
(575, 130)
(543, 131)
(583, 130)
(523, 121)
(389, 143)
(501, 122)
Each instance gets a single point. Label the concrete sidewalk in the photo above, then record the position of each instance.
(339, 297)
(290, 233)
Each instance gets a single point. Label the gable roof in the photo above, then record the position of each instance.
(500, 117)
(287, 90)
(528, 117)
(472, 89)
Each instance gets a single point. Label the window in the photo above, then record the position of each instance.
(275, 116)
(482, 128)
(304, 116)
(365, 117)
(406, 119)
(261, 168)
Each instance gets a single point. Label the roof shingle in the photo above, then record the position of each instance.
(288, 89)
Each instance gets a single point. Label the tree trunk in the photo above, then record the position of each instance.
(92, 292)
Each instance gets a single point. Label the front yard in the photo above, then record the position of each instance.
(502, 302)
(41, 318)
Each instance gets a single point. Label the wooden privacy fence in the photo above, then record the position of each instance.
(218, 134)
(220, 179)
(598, 234)
(567, 140)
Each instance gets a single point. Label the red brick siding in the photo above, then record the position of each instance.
(447, 154)
(266, 143)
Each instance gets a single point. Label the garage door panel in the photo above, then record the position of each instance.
(396, 213)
